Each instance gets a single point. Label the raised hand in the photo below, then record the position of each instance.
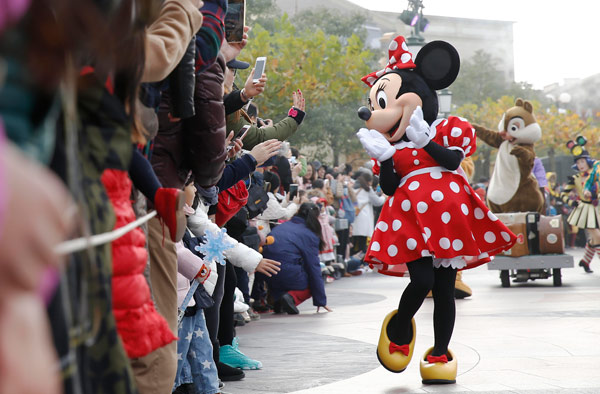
(418, 131)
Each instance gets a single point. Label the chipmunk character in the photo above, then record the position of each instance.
(433, 223)
(513, 188)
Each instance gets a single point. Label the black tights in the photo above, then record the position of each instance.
(423, 277)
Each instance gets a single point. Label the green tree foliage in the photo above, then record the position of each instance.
(327, 71)
(480, 79)
(342, 26)
(262, 12)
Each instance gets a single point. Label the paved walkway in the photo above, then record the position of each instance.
(529, 338)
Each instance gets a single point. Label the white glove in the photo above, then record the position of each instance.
(418, 131)
(210, 282)
(375, 144)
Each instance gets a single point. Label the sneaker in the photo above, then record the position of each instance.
(253, 315)
(288, 304)
(238, 320)
(246, 317)
(232, 356)
(229, 374)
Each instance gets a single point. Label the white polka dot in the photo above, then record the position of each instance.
(478, 213)
(427, 233)
(437, 195)
(468, 150)
(457, 244)
(392, 250)
(425, 253)
(445, 122)
(456, 132)
(371, 80)
(411, 243)
(492, 217)
(416, 162)
(466, 141)
(445, 139)
(445, 217)
(422, 207)
(490, 237)
(464, 209)
(467, 190)
(375, 246)
(424, 237)
(444, 243)
(454, 186)
(404, 46)
(405, 57)
(391, 201)
(392, 60)
(396, 224)
(405, 205)
(414, 185)
(414, 153)
(436, 174)
(461, 118)
(393, 45)
(379, 73)
(382, 226)
(473, 131)
(505, 235)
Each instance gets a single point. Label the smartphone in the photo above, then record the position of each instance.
(293, 190)
(242, 133)
(259, 68)
(235, 19)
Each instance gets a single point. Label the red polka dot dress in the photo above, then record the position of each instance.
(434, 211)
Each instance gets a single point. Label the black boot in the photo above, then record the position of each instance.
(586, 266)
(229, 374)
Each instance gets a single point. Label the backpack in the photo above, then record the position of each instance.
(257, 200)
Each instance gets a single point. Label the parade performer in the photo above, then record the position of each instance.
(513, 187)
(585, 214)
(433, 223)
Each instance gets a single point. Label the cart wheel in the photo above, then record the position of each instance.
(505, 278)
(556, 277)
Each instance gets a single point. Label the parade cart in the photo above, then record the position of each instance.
(539, 251)
(531, 267)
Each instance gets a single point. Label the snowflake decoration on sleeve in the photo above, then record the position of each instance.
(215, 245)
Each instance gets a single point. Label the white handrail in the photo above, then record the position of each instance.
(79, 244)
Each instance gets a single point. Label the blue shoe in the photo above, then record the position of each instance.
(232, 356)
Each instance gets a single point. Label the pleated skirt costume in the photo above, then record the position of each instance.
(435, 212)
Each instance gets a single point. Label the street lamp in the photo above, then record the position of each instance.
(445, 103)
(413, 16)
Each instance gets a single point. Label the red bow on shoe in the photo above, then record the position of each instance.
(437, 359)
(399, 348)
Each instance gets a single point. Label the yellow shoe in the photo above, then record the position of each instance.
(461, 290)
(438, 372)
(393, 357)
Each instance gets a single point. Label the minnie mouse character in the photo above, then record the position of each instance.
(433, 223)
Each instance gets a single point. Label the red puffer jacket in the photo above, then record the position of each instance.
(141, 328)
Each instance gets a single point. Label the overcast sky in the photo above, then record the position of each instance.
(551, 42)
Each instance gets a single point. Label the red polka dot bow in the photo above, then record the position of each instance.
(400, 58)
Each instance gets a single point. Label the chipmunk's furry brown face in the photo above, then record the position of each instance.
(518, 125)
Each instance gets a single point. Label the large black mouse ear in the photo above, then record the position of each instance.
(438, 63)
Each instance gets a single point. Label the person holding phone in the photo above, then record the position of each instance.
(237, 98)
(281, 130)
